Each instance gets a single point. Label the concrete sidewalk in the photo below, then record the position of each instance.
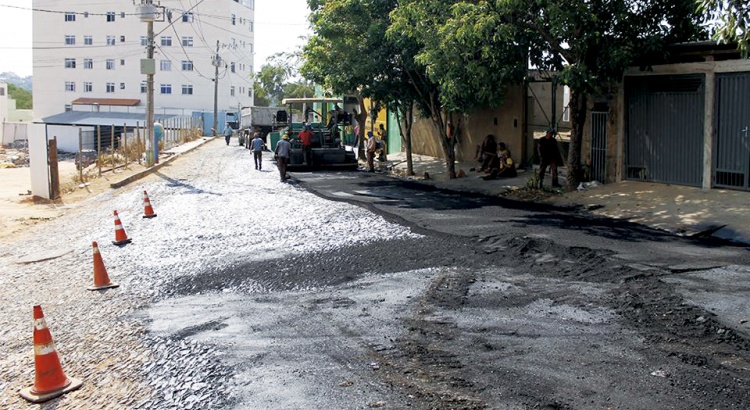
(678, 209)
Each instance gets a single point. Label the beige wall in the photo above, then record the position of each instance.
(505, 122)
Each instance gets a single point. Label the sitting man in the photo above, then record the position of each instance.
(486, 152)
(502, 165)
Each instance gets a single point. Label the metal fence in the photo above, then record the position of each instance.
(107, 148)
(599, 146)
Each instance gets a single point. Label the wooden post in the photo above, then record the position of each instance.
(138, 140)
(112, 145)
(99, 149)
(125, 144)
(54, 175)
(80, 155)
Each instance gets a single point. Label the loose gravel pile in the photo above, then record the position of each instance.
(213, 212)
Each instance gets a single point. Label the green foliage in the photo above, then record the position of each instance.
(731, 21)
(270, 82)
(22, 97)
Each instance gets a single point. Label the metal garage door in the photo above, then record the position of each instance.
(732, 144)
(664, 140)
(599, 122)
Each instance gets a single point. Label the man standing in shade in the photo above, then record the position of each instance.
(257, 147)
(550, 156)
(283, 149)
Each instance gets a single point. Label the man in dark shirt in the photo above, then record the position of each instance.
(550, 156)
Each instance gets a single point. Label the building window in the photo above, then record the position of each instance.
(231, 67)
(70, 86)
(85, 14)
(249, 92)
(252, 28)
(70, 40)
(122, 14)
(143, 87)
(2, 91)
(122, 86)
(187, 89)
(88, 64)
(187, 18)
(110, 40)
(187, 65)
(165, 65)
(187, 41)
(234, 20)
(566, 103)
(68, 107)
(250, 48)
(110, 87)
(70, 16)
(122, 61)
(88, 40)
(110, 64)
(122, 39)
(111, 16)
(70, 63)
(166, 88)
(144, 41)
(166, 41)
(88, 87)
(231, 91)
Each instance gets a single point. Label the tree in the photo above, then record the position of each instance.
(458, 75)
(23, 97)
(349, 54)
(269, 84)
(733, 18)
(588, 43)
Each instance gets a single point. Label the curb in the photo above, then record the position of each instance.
(142, 174)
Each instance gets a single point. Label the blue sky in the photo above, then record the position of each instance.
(278, 26)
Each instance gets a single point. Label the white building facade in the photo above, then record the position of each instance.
(87, 56)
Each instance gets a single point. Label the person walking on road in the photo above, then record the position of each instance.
(257, 146)
(372, 146)
(283, 149)
(227, 133)
(550, 156)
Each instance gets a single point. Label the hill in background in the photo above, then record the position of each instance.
(15, 79)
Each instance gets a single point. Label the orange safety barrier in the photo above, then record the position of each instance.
(49, 381)
(148, 211)
(121, 238)
(101, 279)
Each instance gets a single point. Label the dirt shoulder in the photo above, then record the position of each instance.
(20, 210)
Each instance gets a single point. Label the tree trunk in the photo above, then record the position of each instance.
(405, 116)
(439, 122)
(578, 113)
(361, 117)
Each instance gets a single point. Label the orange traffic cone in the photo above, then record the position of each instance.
(101, 279)
(49, 380)
(148, 211)
(121, 238)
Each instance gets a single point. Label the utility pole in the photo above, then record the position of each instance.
(147, 13)
(216, 63)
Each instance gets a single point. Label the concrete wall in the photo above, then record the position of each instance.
(505, 122)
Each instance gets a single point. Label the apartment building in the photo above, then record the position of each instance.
(87, 56)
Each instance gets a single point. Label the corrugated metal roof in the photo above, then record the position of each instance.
(83, 118)
(106, 101)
